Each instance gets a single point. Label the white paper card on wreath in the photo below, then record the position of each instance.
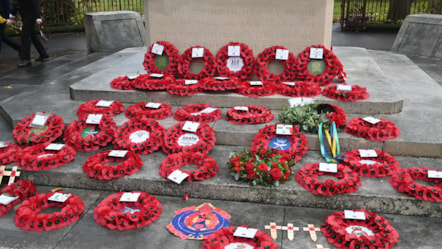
(434, 174)
(255, 83)
(6, 199)
(205, 110)
(367, 153)
(129, 197)
(59, 197)
(117, 153)
(289, 83)
(197, 52)
(241, 108)
(153, 105)
(104, 103)
(316, 53)
(328, 167)
(235, 63)
(282, 54)
(371, 120)
(94, 118)
(245, 232)
(3, 145)
(221, 78)
(341, 87)
(132, 77)
(355, 215)
(156, 75)
(177, 176)
(157, 49)
(191, 126)
(54, 146)
(39, 120)
(233, 50)
(300, 101)
(190, 82)
(139, 136)
(238, 245)
(284, 129)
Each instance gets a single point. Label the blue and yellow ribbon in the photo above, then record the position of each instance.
(331, 136)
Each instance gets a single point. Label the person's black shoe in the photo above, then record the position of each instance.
(24, 63)
(42, 57)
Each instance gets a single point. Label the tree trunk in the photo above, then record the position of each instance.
(399, 9)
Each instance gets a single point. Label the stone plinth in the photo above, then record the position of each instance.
(257, 23)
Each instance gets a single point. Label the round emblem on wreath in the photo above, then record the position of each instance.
(239, 64)
(176, 139)
(161, 57)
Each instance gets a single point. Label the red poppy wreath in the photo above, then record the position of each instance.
(198, 113)
(292, 146)
(153, 82)
(249, 114)
(102, 166)
(348, 181)
(403, 180)
(87, 137)
(149, 110)
(382, 165)
(373, 232)
(8, 153)
(299, 89)
(38, 157)
(123, 83)
(115, 214)
(191, 54)
(207, 166)
(21, 189)
(184, 87)
(141, 136)
(382, 130)
(240, 64)
(176, 139)
(321, 71)
(98, 106)
(25, 134)
(162, 57)
(28, 216)
(220, 83)
(353, 93)
(224, 239)
(270, 54)
(251, 89)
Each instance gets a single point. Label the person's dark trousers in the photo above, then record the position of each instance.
(27, 35)
(7, 40)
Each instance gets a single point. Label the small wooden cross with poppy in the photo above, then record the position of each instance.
(312, 229)
(12, 174)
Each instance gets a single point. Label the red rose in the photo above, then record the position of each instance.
(234, 159)
(249, 167)
(262, 167)
(276, 173)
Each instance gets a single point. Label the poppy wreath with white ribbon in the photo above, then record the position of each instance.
(153, 82)
(253, 115)
(381, 131)
(23, 189)
(403, 180)
(172, 54)
(181, 88)
(186, 59)
(140, 110)
(122, 83)
(98, 165)
(246, 56)
(220, 83)
(28, 216)
(114, 214)
(87, 137)
(332, 67)
(290, 147)
(8, 153)
(269, 54)
(36, 157)
(91, 107)
(198, 113)
(348, 180)
(256, 91)
(382, 165)
(141, 136)
(177, 140)
(207, 166)
(24, 134)
(299, 89)
(373, 232)
(356, 93)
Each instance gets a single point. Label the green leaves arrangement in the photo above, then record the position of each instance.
(305, 117)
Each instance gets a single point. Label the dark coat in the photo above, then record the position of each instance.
(26, 8)
(5, 8)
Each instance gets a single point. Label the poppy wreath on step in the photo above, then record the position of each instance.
(265, 89)
(173, 56)
(153, 82)
(269, 54)
(36, 157)
(186, 59)
(177, 140)
(87, 137)
(198, 113)
(182, 88)
(8, 153)
(246, 56)
(299, 89)
(141, 136)
(291, 147)
(140, 110)
(90, 107)
(114, 214)
(253, 115)
(348, 180)
(28, 216)
(26, 135)
(373, 232)
(98, 166)
(220, 83)
(356, 93)
(123, 83)
(381, 131)
(403, 180)
(324, 70)
(381, 166)
(23, 189)
(206, 166)
(224, 237)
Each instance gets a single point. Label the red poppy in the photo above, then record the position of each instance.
(245, 56)
(91, 107)
(198, 113)
(269, 54)
(123, 83)
(356, 93)
(184, 87)
(153, 82)
(382, 165)
(249, 114)
(8, 153)
(25, 134)
(143, 110)
(266, 88)
(382, 131)
(207, 166)
(36, 157)
(299, 89)
(186, 59)
(169, 51)
(220, 83)
(177, 140)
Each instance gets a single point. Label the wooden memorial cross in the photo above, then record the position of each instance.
(12, 174)
(312, 229)
(290, 230)
(273, 227)
(320, 247)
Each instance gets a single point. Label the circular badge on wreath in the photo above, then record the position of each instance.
(98, 106)
(198, 113)
(149, 110)
(176, 139)
(249, 114)
(161, 57)
(345, 92)
(38, 128)
(235, 60)
(191, 54)
(40, 157)
(8, 153)
(276, 53)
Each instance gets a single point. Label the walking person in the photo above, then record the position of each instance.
(5, 11)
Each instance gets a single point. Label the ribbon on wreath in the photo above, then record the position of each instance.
(331, 136)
